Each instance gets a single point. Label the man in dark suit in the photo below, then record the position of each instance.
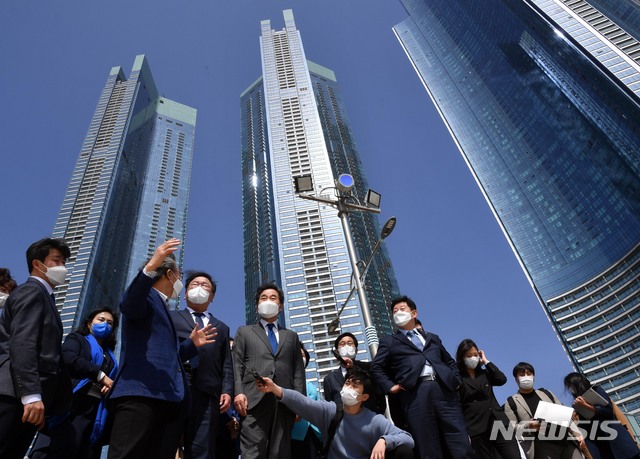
(346, 346)
(415, 365)
(7, 285)
(150, 397)
(210, 372)
(271, 351)
(33, 383)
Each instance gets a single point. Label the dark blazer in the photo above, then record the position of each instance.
(334, 381)
(30, 348)
(286, 368)
(215, 368)
(151, 355)
(76, 352)
(622, 446)
(399, 361)
(479, 403)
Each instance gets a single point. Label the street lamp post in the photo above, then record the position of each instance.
(344, 185)
(386, 231)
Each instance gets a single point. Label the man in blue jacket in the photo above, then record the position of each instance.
(150, 399)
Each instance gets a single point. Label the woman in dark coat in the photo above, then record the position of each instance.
(88, 356)
(605, 440)
(479, 404)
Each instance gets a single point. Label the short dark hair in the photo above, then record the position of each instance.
(523, 366)
(6, 281)
(342, 335)
(83, 329)
(357, 374)
(306, 354)
(465, 346)
(269, 285)
(577, 384)
(39, 250)
(403, 299)
(193, 274)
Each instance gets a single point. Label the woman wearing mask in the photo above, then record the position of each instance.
(479, 405)
(605, 440)
(88, 356)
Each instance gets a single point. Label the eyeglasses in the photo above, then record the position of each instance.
(204, 285)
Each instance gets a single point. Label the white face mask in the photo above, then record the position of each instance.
(3, 299)
(268, 309)
(177, 287)
(349, 396)
(347, 351)
(401, 318)
(198, 295)
(55, 274)
(525, 382)
(471, 362)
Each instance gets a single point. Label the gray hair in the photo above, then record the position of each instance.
(168, 264)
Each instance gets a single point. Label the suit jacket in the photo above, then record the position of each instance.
(479, 403)
(286, 367)
(334, 381)
(399, 361)
(151, 355)
(31, 348)
(215, 368)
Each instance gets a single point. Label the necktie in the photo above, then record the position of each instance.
(413, 336)
(272, 338)
(199, 320)
(53, 298)
(194, 361)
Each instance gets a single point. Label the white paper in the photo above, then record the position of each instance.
(552, 412)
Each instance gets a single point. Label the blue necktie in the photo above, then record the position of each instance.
(413, 336)
(195, 360)
(199, 320)
(272, 338)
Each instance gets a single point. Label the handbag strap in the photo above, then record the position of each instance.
(335, 422)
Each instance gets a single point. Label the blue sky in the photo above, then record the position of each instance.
(448, 251)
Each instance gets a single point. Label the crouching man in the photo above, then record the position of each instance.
(360, 433)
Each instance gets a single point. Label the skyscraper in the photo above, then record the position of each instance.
(128, 192)
(541, 98)
(294, 123)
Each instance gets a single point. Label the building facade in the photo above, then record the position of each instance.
(128, 192)
(541, 98)
(293, 124)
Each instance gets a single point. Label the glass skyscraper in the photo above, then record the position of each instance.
(293, 124)
(541, 98)
(128, 192)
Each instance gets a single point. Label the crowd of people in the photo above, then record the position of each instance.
(183, 386)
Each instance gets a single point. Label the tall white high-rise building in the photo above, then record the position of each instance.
(294, 124)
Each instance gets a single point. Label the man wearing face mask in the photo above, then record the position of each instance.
(361, 433)
(210, 372)
(33, 380)
(7, 285)
(346, 346)
(269, 350)
(150, 399)
(415, 367)
(520, 409)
